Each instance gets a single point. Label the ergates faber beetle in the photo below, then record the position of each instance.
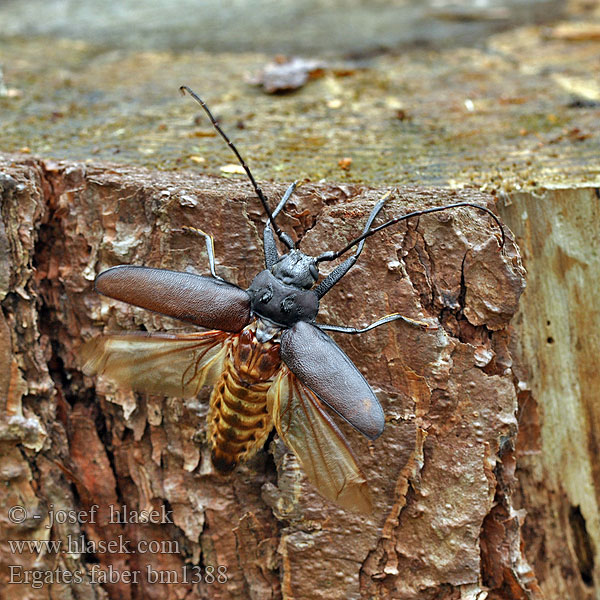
(269, 363)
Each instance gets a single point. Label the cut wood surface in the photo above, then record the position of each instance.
(521, 112)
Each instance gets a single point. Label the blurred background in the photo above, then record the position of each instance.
(332, 28)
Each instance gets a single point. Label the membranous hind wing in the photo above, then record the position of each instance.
(158, 363)
(303, 424)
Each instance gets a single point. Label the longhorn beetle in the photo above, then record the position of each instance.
(268, 362)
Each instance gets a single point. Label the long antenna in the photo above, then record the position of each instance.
(280, 234)
(326, 256)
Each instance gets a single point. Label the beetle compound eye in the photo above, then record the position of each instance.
(267, 295)
(287, 304)
(314, 271)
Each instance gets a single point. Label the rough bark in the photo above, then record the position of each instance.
(442, 473)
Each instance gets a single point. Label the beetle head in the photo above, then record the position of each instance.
(297, 269)
(281, 302)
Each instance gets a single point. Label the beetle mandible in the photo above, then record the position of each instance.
(269, 363)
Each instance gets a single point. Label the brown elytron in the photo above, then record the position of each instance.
(238, 419)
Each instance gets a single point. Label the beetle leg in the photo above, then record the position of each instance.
(382, 321)
(210, 248)
(270, 249)
(343, 268)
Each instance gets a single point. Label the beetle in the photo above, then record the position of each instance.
(267, 359)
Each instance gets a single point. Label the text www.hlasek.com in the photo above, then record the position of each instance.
(81, 545)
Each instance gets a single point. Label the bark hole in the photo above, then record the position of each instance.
(583, 545)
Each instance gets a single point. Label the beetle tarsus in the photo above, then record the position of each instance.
(342, 269)
(270, 249)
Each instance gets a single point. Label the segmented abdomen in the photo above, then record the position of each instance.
(239, 422)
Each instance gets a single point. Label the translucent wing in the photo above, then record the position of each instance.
(158, 363)
(308, 431)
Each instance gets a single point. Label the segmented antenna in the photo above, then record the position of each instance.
(284, 237)
(326, 256)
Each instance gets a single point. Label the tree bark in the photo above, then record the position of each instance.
(555, 363)
(442, 473)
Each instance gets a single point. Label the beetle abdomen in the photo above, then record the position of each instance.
(239, 421)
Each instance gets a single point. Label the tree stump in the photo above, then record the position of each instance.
(485, 477)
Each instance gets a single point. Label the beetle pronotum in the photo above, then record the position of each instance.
(269, 363)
